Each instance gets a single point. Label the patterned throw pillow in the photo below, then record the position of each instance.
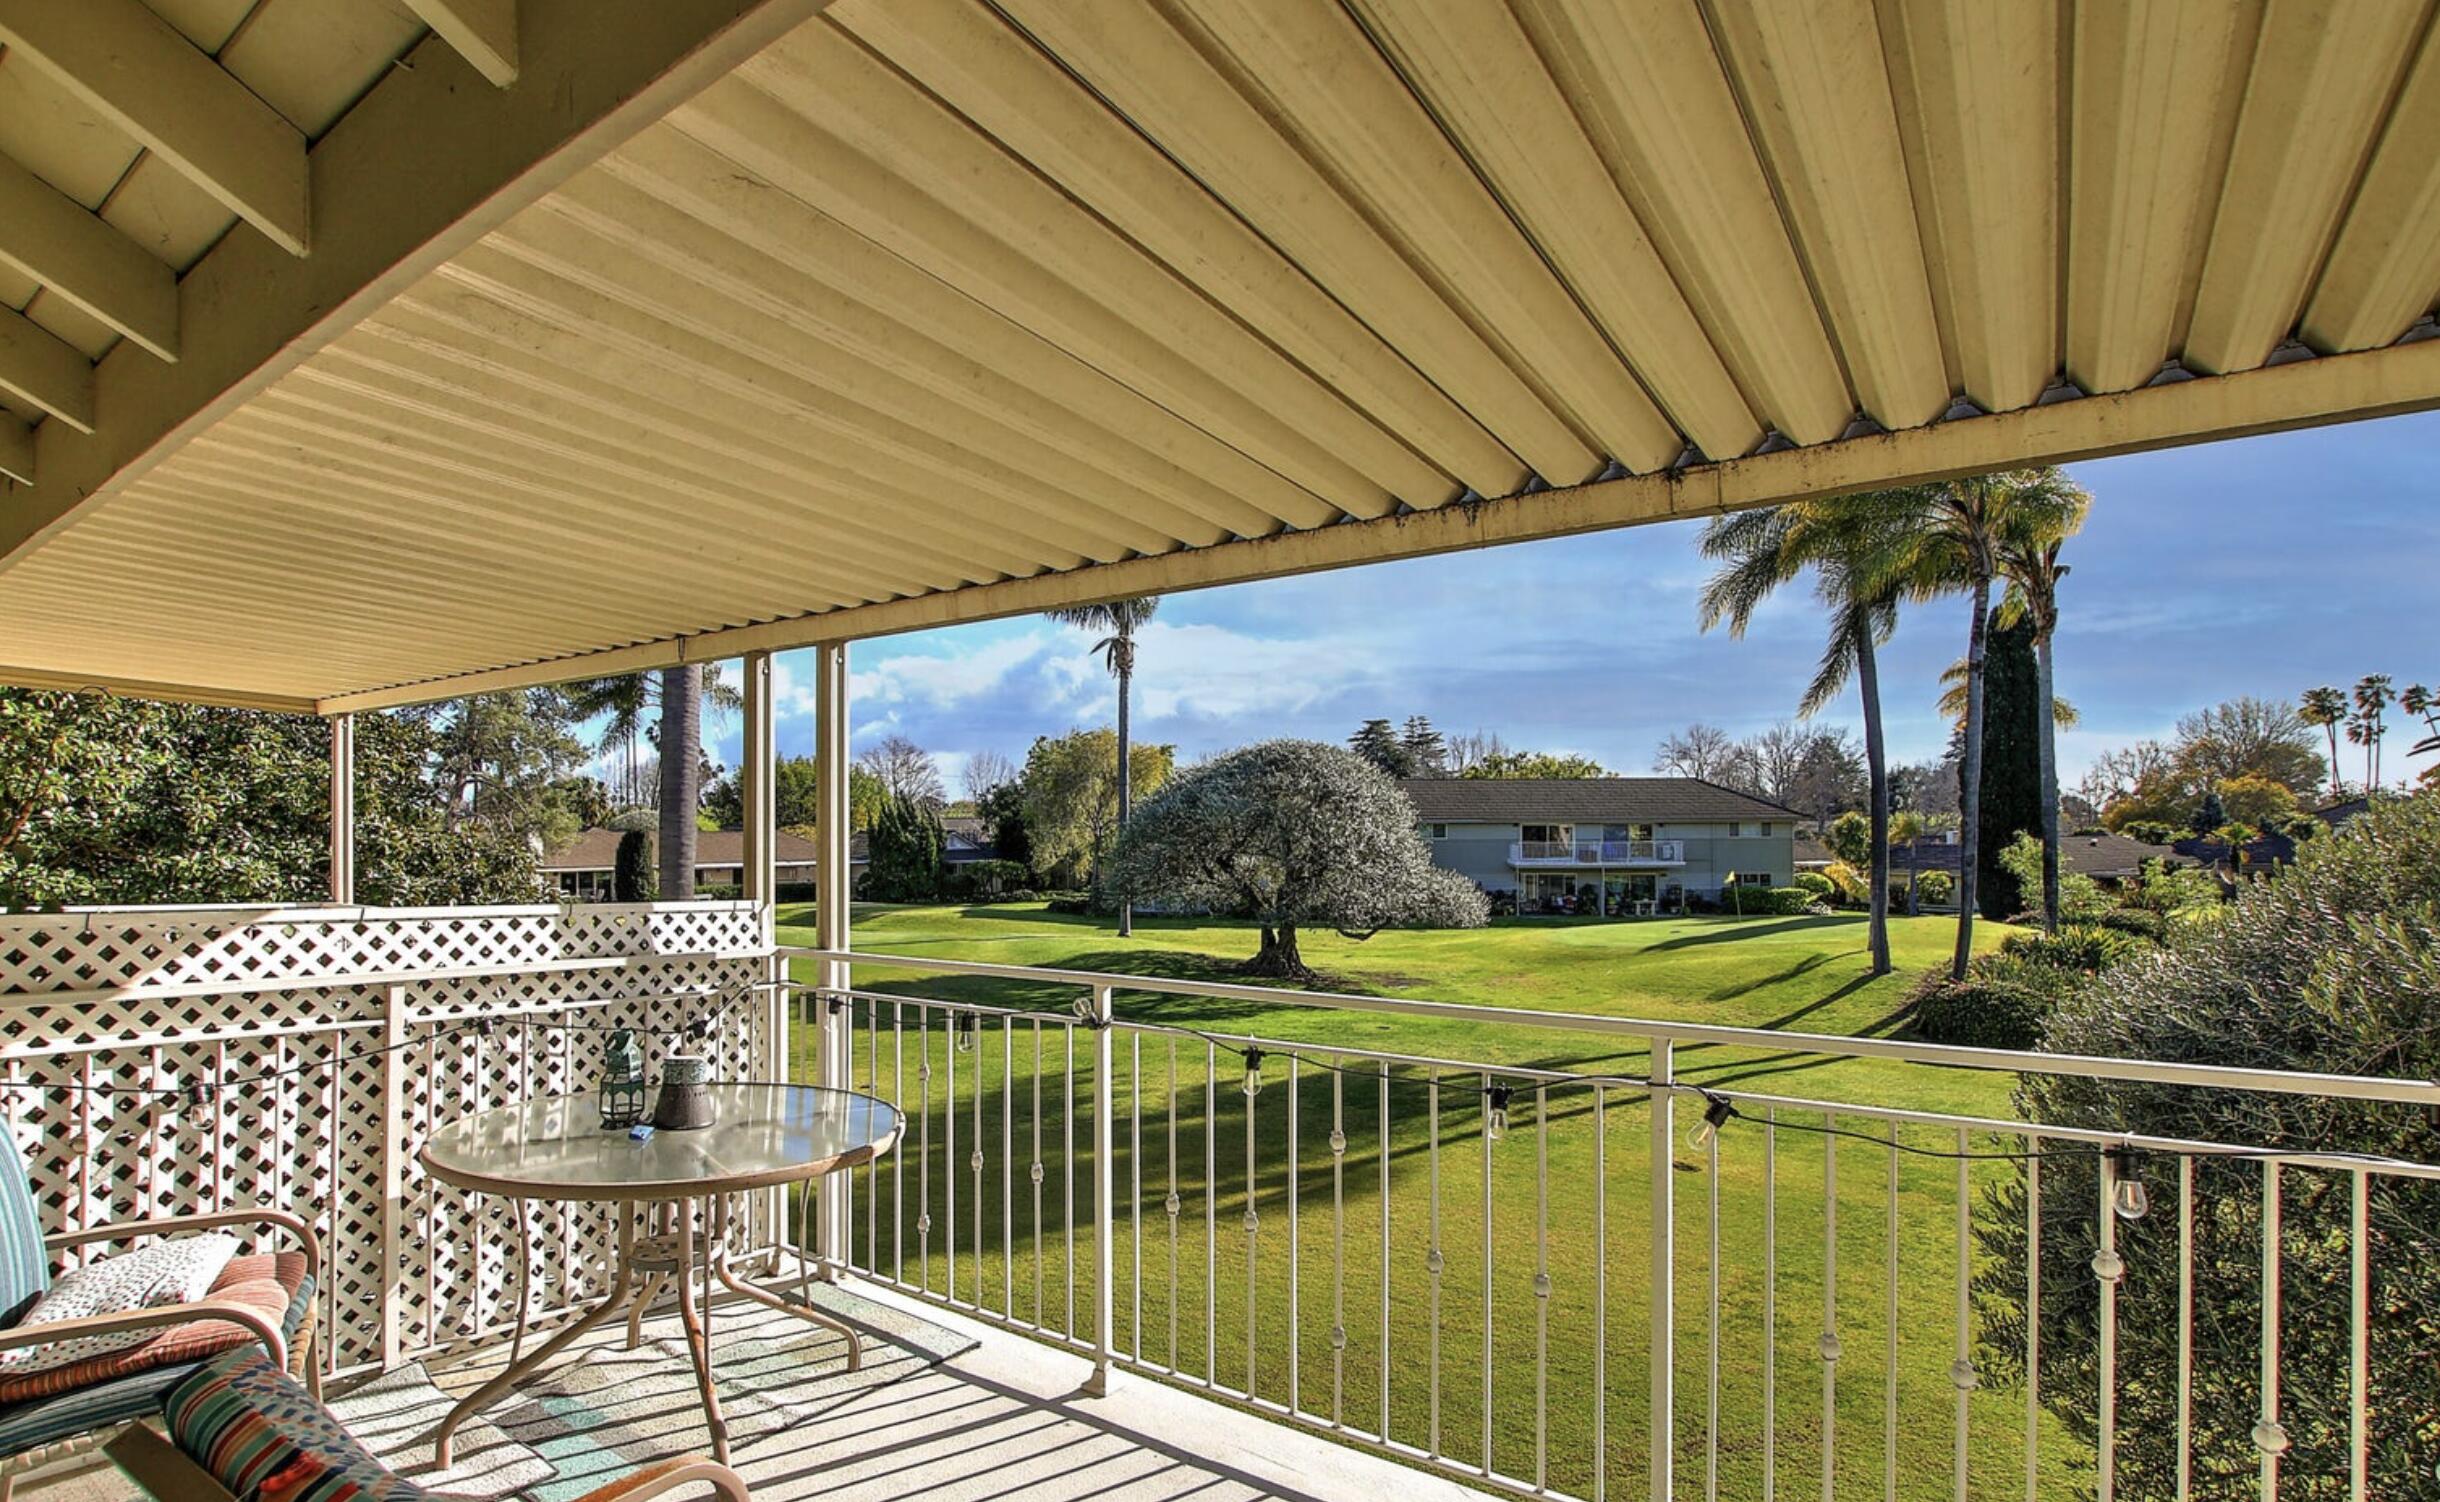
(178, 1271)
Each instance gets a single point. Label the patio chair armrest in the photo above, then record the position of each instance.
(252, 1320)
(161, 1468)
(173, 1225)
(664, 1477)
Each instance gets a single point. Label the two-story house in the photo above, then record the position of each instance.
(1620, 846)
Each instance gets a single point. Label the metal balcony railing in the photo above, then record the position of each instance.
(1521, 1275)
(1584, 852)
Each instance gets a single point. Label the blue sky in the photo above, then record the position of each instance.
(2262, 565)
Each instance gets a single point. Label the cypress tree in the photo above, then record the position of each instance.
(2012, 766)
(632, 876)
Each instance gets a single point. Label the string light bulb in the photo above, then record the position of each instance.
(962, 1033)
(2129, 1198)
(1253, 1073)
(1499, 1111)
(1715, 1116)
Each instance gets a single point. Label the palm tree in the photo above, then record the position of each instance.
(1908, 825)
(682, 693)
(1119, 618)
(1952, 704)
(2372, 695)
(2327, 707)
(1952, 534)
(1762, 550)
(2030, 559)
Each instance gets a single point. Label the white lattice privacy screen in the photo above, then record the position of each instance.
(163, 998)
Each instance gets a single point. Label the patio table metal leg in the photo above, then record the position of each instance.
(643, 1302)
(444, 1438)
(698, 1340)
(806, 1312)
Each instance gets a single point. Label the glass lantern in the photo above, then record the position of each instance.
(622, 1087)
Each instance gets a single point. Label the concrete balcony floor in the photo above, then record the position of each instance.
(1004, 1419)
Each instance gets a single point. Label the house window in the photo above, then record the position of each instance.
(1554, 834)
(1438, 831)
(1766, 831)
(1753, 878)
(1735, 829)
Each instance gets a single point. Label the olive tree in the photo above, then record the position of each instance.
(1291, 834)
(2330, 966)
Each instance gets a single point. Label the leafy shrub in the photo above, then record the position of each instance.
(1938, 888)
(2150, 831)
(2133, 920)
(633, 875)
(991, 878)
(1980, 1012)
(1820, 886)
(2080, 897)
(1074, 904)
(2079, 947)
(2330, 965)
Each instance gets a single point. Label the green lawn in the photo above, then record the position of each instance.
(1790, 974)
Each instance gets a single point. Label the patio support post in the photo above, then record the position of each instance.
(1105, 1213)
(343, 809)
(1664, 1270)
(758, 878)
(831, 897)
(396, 1062)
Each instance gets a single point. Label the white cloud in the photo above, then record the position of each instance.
(1212, 672)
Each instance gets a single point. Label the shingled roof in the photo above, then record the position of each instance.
(1583, 800)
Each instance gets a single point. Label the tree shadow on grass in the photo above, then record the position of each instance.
(1731, 930)
(1803, 965)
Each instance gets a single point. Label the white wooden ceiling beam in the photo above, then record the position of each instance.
(50, 237)
(484, 32)
(2336, 388)
(45, 372)
(425, 164)
(16, 451)
(145, 688)
(142, 75)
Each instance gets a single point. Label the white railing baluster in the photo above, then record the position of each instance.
(1770, 1304)
(1601, 1294)
(1961, 1369)
(1338, 1245)
(1711, 1318)
(872, 1169)
(1034, 1172)
(1385, 1242)
(1172, 1204)
(1484, 1116)
(2359, 1330)
(1008, 1166)
(1253, 1216)
(974, 1157)
(2270, 1437)
(1105, 1218)
(1067, 1169)
(2185, 1326)
(1433, 1261)
(1889, 1359)
(1829, 1342)
(1296, 1173)
(1663, 1103)
(923, 1146)
(948, 1150)
(898, 1161)
(2033, 1319)
(1541, 1287)
(1211, 1216)
(1135, 1183)
(2107, 1269)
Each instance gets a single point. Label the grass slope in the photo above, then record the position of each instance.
(1339, 1249)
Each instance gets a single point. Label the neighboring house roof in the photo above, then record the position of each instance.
(1928, 855)
(2110, 857)
(1585, 800)
(2337, 814)
(1812, 852)
(597, 850)
(968, 839)
(2269, 848)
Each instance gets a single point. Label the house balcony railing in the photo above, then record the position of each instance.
(1516, 1274)
(1596, 853)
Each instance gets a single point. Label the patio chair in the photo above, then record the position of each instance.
(239, 1427)
(53, 1415)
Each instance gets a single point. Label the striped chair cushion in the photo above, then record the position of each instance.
(25, 1263)
(268, 1283)
(266, 1440)
(46, 1420)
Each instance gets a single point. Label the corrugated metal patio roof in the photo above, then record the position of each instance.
(752, 326)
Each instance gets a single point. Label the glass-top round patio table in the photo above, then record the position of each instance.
(555, 1148)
